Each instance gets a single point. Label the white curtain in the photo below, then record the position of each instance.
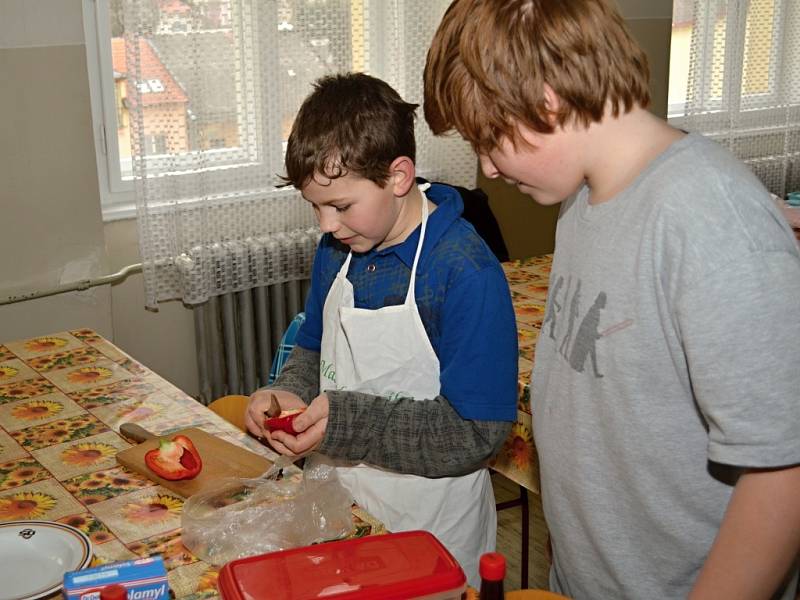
(744, 82)
(211, 88)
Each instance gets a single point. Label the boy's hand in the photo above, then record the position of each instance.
(259, 403)
(310, 426)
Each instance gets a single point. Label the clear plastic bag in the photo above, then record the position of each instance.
(284, 508)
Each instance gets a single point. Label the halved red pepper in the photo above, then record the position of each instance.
(283, 421)
(174, 459)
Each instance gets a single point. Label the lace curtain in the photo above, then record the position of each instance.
(744, 82)
(211, 88)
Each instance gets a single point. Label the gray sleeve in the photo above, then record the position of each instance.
(421, 438)
(741, 335)
(300, 374)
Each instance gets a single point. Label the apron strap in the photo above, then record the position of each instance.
(410, 296)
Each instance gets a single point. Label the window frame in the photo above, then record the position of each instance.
(719, 109)
(117, 196)
(262, 154)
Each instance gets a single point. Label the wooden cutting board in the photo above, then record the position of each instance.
(220, 459)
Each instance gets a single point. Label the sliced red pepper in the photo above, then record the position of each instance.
(283, 421)
(174, 459)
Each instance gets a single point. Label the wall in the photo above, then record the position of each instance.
(162, 339)
(529, 229)
(51, 231)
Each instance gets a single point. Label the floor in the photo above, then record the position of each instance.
(509, 523)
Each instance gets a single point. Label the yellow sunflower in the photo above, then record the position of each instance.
(208, 581)
(77, 521)
(45, 343)
(101, 536)
(153, 509)
(520, 447)
(24, 473)
(7, 372)
(91, 484)
(25, 505)
(87, 453)
(89, 374)
(37, 409)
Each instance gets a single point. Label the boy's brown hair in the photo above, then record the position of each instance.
(350, 123)
(490, 59)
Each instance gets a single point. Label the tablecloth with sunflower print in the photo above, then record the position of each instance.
(528, 280)
(62, 399)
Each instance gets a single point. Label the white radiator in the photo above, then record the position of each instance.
(237, 333)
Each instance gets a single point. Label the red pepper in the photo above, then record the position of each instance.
(283, 421)
(174, 459)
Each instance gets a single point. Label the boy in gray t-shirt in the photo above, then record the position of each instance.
(666, 404)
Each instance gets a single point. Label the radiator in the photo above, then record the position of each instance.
(252, 290)
(237, 335)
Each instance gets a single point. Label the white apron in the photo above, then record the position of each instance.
(387, 352)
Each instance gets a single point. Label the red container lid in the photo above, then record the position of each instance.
(394, 566)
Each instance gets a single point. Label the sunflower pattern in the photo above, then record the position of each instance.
(92, 488)
(61, 398)
(87, 336)
(89, 374)
(25, 505)
(208, 580)
(36, 410)
(63, 360)
(45, 344)
(58, 432)
(88, 524)
(169, 546)
(519, 447)
(153, 509)
(115, 392)
(21, 472)
(22, 390)
(87, 454)
(7, 372)
(133, 366)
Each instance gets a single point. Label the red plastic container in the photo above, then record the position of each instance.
(396, 566)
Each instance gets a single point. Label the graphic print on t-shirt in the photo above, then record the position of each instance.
(577, 347)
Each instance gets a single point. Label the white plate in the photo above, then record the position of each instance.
(34, 555)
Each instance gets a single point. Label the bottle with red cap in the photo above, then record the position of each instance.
(492, 569)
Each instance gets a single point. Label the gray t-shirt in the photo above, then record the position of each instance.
(667, 358)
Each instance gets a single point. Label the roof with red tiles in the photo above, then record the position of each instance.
(157, 85)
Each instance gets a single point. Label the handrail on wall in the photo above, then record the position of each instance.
(74, 286)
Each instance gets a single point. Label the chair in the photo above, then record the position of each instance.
(232, 409)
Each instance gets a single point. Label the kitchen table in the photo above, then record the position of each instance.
(62, 399)
(528, 280)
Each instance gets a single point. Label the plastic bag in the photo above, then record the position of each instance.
(284, 508)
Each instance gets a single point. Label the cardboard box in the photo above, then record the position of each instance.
(143, 578)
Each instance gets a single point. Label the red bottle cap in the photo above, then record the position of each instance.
(114, 592)
(492, 566)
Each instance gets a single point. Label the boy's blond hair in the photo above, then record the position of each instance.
(489, 61)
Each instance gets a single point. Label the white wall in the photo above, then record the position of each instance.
(51, 229)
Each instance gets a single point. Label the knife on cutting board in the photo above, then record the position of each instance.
(220, 459)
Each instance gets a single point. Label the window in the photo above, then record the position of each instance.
(199, 73)
(722, 46)
(734, 76)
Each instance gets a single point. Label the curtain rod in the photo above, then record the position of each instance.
(74, 286)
